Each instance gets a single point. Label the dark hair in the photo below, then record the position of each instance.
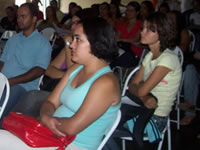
(149, 6)
(33, 9)
(165, 27)
(164, 5)
(134, 4)
(118, 15)
(101, 37)
(73, 3)
(53, 9)
(10, 8)
(86, 13)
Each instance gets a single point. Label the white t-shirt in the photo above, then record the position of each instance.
(166, 90)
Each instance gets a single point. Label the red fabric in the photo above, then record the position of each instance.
(33, 133)
(125, 34)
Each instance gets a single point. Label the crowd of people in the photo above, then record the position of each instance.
(80, 95)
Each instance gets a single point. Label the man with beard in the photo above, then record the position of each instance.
(25, 57)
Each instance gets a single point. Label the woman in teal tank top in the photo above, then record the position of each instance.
(86, 101)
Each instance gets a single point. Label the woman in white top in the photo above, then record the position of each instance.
(160, 72)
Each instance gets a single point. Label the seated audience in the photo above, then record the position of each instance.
(191, 84)
(104, 12)
(59, 14)
(115, 14)
(158, 78)
(31, 101)
(128, 36)
(146, 9)
(164, 8)
(40, 15)
(25, 57)
(10, 21)
(90, 82)
(183, 40)
(51, 19)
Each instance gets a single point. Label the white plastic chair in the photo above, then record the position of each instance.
(110, 131)
(129, 102)
(122, 76)
(4, 86)
(49, 33)
(7, 34)
(40, 81)
(192, 41)
(4, 37)
(179, 52)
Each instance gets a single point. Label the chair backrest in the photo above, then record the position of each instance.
(144, 52)
(110, 131)
(40, 81)
(179, 53)
(128, 79)
(48, 33)
(7, 34)
(192, 41)
(4, 86)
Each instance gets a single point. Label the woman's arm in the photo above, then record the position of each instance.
(133, 40)
(54, 68)
(52, 103)
(141, 89)
(103, 93)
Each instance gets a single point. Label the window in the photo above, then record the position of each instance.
(19, 2)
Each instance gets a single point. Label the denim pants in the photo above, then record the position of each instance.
(31, 102)
(191, 85)
(16, 92)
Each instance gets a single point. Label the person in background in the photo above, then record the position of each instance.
(183, 40)
(50, 21)
(115, 14)
(25, 57)
(146, 9)
(59, 14)
(104, 12)
(128, 37)
(164, 8)
(10, 21)
(40, 15)
(90, 82)
(68, 16)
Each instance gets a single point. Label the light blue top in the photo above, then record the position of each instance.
(24, 53)
(72, 98)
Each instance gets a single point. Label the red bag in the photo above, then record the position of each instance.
(33, 133)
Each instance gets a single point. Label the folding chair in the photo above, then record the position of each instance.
(4, 37)
(49, 33)
(110, 131)
(4, 86)
(129, 102)
(178, 96)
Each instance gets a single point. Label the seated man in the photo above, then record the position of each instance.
(25, 57)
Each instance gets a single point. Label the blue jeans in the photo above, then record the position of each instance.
(30, 102)
(16, 92)
(191, 85)
(112, 144)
